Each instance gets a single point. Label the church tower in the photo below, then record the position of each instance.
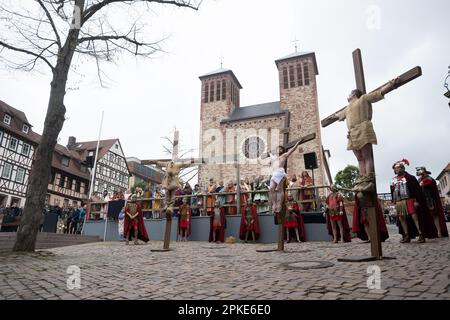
(298, 94)
(220, 97)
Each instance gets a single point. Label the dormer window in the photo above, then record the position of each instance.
(7, 119)
(65, 161)
(25, 129)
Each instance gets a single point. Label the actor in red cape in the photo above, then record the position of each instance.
(433, 200)
(184, 221)
(134, 222)
(294, 221)
(361, 222)
(218, 224)
(411, 206)
(249, 222)
(336, 215)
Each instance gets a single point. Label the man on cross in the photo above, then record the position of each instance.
(360, 131)
(278, 163)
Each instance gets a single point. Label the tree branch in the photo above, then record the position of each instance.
(7, 46)
(52, 23)
(98, 6)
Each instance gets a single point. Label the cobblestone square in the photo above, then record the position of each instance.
(194, 271)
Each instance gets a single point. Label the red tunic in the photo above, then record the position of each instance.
(359, 221)
(184, 220)
(220, 231)
(347, 236)
(252, 227)
(138, 222)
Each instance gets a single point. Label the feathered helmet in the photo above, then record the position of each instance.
(402, 162)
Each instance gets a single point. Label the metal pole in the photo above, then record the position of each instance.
(94, 169)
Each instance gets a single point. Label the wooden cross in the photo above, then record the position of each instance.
(170, 193)
(371, 198)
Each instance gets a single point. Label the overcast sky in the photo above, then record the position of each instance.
(146, 99)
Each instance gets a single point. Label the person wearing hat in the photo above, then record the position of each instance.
(434, 204)
(411, 207)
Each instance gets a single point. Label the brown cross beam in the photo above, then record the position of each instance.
(375, 243)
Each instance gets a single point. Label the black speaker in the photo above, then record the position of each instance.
(310, 160)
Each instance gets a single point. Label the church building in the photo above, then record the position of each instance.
(231, 133)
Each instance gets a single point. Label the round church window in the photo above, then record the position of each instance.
(253, 147)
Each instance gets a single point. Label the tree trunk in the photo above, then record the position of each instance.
(41, 171)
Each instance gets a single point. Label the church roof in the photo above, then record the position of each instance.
(256, 111)
(296, 55)
(221, 71)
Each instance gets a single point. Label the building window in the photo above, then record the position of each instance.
(62, 182)
(299, 75)
(306, 73)
(224, 90)
(26, 149)
(65, 161)
(7, 170)
(13, 144)
(253, 147)
(78, 186)
(7, 119)
(218, 91)
(25, 129)
(206, 100)
(20, 176)
(285, 78)
(291, 76)
(57, 179)
(91, 153)
(211, 92)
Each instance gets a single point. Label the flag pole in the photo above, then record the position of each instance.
(94, 170)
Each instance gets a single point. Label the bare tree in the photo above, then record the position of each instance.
(51, 33)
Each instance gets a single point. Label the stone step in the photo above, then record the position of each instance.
(48, 240)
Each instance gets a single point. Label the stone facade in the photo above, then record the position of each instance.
(223, 136)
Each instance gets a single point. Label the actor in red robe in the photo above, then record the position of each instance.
(294, 221)
(218, 224)
(361, 221)
(336, 215)
(134, 220)
(411, 206)
(184, 221)
(434, 203)
(249, 222)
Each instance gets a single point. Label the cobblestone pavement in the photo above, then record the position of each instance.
(200, 270)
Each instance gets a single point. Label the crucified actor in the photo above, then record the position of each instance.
(361, 135)
(278, 178)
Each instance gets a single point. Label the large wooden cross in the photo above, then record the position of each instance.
(170, 193)
(371, 197)
(287, 145)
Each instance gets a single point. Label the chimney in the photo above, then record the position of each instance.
(72, 142)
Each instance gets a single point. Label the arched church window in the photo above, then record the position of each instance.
(253, 147)
(299, 75)
(224, 88)
(206, 98)
(306, 73)
(285, 78)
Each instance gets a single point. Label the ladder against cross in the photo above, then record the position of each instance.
(371, 196)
